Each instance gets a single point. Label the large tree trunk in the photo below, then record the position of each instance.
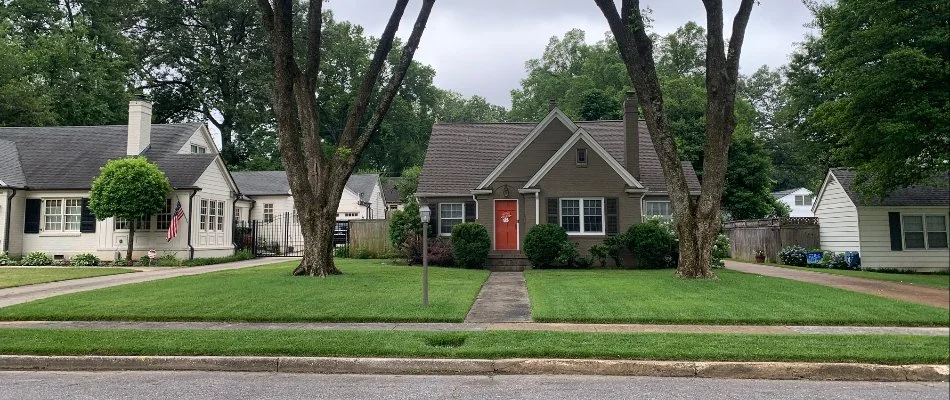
(317, 177)
(128, 250)
(698, 220)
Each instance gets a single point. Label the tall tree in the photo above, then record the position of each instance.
(698, 220)
(318, 176)
(874, 89)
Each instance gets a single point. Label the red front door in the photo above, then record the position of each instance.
(506, 225)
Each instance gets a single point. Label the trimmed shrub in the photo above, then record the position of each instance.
(470, 245)
(794, 255)
(543, 244)
(441, 252)
(84, 260)
(652, 245)
(6, 260)
(834, 261)
(404, 223)
(36, 258)
(615, 247)
(362, 253)
(168, 260)
(342, 251)
(599, 252)
(568, 255)
(238, 256)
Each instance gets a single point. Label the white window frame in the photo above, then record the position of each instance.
(62, 214)
(221, 209)
(582, 215)
(577, 157)
(198, 149)
(268, 211)
(665, 217)
(460, 219)
(121, 224)
(203, 216)
(923, 220)
(807, 200)
(164, 217)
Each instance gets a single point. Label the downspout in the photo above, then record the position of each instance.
(191, 214)
(537, 208)
(6, 227)
(476, 206)
(234, 220)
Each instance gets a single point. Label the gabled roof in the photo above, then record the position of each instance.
(390, 193)
(10, 173)
(69, 157)
(936, 194)
(274, 183)
(582, 134)
(461, 156)
(782, 193)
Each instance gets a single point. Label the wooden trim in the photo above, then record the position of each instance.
(579, 135)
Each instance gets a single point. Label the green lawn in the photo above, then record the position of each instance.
(941, 281)
(884, 349)
(367, 291)
(656, 296)
(10, 277)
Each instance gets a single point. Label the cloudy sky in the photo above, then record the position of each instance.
(480, 46)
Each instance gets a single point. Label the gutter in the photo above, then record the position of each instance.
(234, 220)
(191, 214)
(6, 227)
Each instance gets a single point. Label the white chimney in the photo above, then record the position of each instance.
(140, 126)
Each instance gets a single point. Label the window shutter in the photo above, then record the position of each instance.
(469, 211)
(31, 221)
(612, 215)
(87, 221)
(894, 220)
(553, 211)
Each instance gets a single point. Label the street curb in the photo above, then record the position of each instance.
(526, 366)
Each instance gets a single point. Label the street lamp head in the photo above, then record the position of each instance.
(424, 213)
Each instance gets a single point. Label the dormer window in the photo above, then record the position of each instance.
(581, 158)
(196, 149)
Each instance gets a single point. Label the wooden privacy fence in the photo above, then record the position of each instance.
(770, 236)
(370, 234)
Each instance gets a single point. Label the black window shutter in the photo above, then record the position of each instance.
(894, 220)
(553, 211)
(87, 221)
(612, 215)
(469, 211)
(31, 222)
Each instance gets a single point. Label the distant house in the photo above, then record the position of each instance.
(594, 178)
(269, 197)
(907, 229)
(46, 174)
(391, 196)
(798, 200)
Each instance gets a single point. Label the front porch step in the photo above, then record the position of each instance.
(507, 261)
(506, 268)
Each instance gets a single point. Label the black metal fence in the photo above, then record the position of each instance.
(280, 237)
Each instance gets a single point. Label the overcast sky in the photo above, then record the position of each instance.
(480, 46)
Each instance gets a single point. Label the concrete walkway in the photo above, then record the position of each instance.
(503, 298)
(477, 327)
(935, 297)
(23, 294)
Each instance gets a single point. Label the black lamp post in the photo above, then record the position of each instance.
(424, 214)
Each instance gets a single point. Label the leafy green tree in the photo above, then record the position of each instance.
(130, 189)
(747, 192)
(453, 107)
(873, 90)
(409, 182)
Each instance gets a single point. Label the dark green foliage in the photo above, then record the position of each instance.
(36, 258)
(720, 251)
(747, 190)
(168, 260)
(616, 245)
(342, 251)
(84, 260)
(5, 259)
(470, 244)
(600, 252)
(128, 188)
(361, 253)
(543, 244)
(652, 245)
(238, 256)
(404, 223)
(568, 255)
(597, 104)
(834, 260)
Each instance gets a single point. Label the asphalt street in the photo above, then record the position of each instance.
(223, 385)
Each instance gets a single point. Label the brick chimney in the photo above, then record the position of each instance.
(631, 134)
(140, 126)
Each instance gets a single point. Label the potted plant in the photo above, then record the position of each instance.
(759, 256)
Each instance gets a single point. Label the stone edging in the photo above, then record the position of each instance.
(412, 366)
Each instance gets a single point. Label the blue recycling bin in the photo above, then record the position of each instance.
(814, 257)
(852, 259)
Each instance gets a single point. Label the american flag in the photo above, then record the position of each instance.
(173, 227)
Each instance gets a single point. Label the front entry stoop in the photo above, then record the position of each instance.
(507, 261)
(503, 298)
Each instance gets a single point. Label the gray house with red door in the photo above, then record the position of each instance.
(594, 178)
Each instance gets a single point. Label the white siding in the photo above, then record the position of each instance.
(797, 211)
(837, 219)
(214, 187)
(349, 203)
(876, 241)
(281, 204)
(111, 241)
(200, 137)
(3, 217)
(17, 211)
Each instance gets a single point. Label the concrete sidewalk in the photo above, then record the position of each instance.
(503, 298)
(478, 327)
(915, 294)
(23, 294)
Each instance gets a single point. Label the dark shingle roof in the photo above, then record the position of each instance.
(10, 173)
(69, 157)
(390, 193)
(265, 183)
(460, 156)
(937, 194)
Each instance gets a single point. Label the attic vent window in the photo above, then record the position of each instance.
(581, 158)
(196, 149)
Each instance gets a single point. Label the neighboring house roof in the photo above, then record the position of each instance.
(783, 193)
(460, 156)
(69, 157)
(273, 183)
(11, 175)
(937, 194)
(390, 193)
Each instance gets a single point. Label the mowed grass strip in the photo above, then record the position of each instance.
(883, 349)
(656, 296)
(20, 276)
(367, 291)
(941, 281)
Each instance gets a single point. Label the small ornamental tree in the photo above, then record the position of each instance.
(130, 189)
